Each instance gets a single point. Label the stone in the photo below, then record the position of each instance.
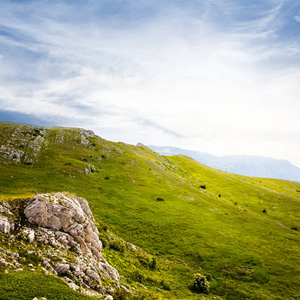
(71, 283)
(94, 275)
(65, 224)
(5, 225)
(18, 270)
(29, 234)
(142, 286)
(62, 268)
(37, 213)
(125, 289)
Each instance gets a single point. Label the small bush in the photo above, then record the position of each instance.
(138, 276)
(202, 186)
(117, 245)
(264, 211)
(147, 261)
(120, 294)
(165, 285)
(160, 199)
(200, 283)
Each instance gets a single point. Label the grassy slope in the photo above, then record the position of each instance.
(27, 285)
(218, 229)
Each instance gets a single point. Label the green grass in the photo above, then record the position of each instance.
(217, 230)
(27, 285)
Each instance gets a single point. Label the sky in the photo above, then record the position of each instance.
(217, 76)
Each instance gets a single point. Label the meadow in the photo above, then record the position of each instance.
(241, 233)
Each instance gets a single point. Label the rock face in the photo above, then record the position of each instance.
(66, 214)
(65, 223)
(24, 144)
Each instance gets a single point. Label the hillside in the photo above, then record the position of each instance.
(241, 233)
(254, 166)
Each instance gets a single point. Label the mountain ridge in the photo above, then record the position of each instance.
(248, 165)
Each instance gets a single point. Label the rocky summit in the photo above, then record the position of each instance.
(60, 229)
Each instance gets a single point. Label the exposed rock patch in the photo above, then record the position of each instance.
(25, 144)
(85, 136)
(65, 224)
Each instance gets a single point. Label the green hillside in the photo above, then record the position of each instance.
(242, 233)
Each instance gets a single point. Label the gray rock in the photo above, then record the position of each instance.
(66, 221)
(5, 225)
(125, 289)
(37, 213)
(62, 268)
(19, 270)
(65, 225)
(94, 275)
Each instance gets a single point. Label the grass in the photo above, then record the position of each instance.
(220, 230)
(27, 285)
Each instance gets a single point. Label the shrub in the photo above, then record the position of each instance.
(120, 294)
(138, 276)
(202, 186)
(264, 211)
(147, 261)
(117, 245)
(160, 199)
(165, 285)
(200, 283)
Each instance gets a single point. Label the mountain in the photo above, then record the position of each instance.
(254, 166)
(172, 228)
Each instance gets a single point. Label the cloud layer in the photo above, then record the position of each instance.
(215, 76)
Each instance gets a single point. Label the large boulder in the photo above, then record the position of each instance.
(66, 221)
(66, 213)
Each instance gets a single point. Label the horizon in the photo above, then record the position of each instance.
(208, 76)
(164, 146)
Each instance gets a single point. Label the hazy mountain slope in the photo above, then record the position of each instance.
(254, 166)
(237, 229)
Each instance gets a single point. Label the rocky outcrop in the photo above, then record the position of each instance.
(25, 144)
(65, 224)
(85, 136)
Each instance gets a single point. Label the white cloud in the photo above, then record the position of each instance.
(297, 18)
(170, 78)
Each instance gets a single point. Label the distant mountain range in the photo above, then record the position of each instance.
(254, 166)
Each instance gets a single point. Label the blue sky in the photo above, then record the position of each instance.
(215, 76)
